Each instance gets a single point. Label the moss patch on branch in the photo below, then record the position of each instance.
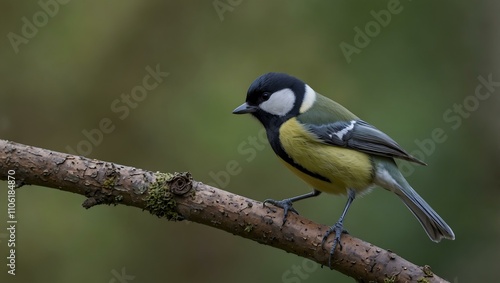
(160, 200)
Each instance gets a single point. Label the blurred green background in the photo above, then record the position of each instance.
(62, 77)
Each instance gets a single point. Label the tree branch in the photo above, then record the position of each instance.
(177, 196)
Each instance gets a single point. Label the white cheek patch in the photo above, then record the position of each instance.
(309, 99)
(279, 103)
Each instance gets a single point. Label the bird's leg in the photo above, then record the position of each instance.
(287, 203)
(338, 227)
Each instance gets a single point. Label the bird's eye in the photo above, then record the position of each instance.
(265, 96)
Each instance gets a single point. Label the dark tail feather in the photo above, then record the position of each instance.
(434, 225)
(389, 177)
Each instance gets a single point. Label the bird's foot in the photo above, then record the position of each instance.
(338, 228)
(286, 204)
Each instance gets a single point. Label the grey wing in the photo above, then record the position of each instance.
(361, 136)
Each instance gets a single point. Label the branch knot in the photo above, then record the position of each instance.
(180, 183)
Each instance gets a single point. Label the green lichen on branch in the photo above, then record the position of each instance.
(427, 271)
(160, 200)
(109, 183)
(249, 228)
(118, 199)
(107, 195)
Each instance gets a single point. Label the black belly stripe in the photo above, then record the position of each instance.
(278, 149)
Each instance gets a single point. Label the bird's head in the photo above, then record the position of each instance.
(277, 97)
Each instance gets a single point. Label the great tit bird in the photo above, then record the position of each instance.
(332, 150)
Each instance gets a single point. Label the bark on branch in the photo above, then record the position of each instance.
(178, 197)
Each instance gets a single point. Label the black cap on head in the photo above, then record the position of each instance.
(267, 102)
(273, 82)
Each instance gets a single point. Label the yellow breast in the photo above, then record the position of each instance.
(345, 168)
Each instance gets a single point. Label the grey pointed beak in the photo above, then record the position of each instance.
(245, 108)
